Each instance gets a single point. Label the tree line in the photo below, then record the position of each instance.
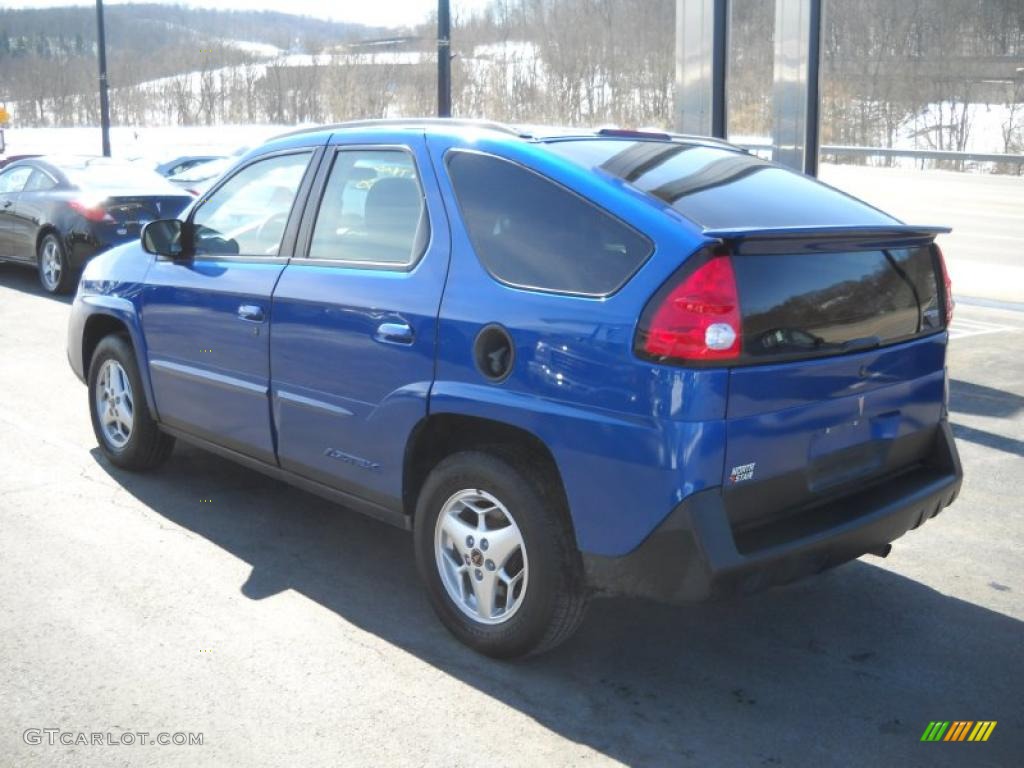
(916, 68)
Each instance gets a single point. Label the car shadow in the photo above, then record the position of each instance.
(26, 280)
(979, 400)
(989, 439)
(846, 668)
(971, 399)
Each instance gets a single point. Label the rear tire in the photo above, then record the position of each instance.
(127, 433)
(55, 273)
(496, 552)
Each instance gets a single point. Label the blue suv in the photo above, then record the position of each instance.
(570, 362)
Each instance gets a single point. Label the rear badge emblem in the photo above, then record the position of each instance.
(742, 472)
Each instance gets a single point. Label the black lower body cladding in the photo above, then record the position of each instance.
(696, 554)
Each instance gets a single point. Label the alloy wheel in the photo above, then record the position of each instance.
(51, 263)
(481, 556)
(115, 404)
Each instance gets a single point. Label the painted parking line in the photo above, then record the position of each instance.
(963, 328)
(969, 322)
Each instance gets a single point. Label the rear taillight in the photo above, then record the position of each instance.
(947, 285)
(695, 317)
(91, 211)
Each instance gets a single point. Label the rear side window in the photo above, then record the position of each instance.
(529, 232)
(12, 181)
(39, 182)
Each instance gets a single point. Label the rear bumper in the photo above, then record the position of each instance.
(693, 555)
(86, 240)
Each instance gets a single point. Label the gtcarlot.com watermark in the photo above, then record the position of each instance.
(57, 736)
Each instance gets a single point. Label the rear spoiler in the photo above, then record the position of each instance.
(824, 238)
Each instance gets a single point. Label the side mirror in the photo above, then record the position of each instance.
(165, 237)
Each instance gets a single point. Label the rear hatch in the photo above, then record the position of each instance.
(829, 314)
(133, 210)
(122, 216)
(841, 375)
(119, 198)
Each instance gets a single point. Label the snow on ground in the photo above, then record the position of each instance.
(986, 132)
(258, 70)
(257, 49)
(985, 136)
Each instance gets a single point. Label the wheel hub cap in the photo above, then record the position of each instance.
(51, 263)
(481, 556)
(115, 405)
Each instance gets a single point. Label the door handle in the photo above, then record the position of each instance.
(8, 203)
(394, 333)
(251, 312)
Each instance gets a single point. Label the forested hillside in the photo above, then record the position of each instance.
(48, 55)
(946, 74)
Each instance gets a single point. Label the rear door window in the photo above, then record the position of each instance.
(530, 232)
(372, 211)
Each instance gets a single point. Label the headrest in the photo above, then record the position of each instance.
(392, 195)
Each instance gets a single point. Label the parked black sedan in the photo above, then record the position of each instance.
(58, 212)
(5, 161)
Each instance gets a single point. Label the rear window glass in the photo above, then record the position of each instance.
(115, 176)
(532, 233)
(823, 304)
(720, 188)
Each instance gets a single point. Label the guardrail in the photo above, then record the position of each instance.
(837, 150)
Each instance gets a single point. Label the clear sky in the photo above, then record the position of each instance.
(376, 12)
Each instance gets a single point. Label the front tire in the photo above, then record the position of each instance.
(125, 430)
(496, 552)
(55, 273)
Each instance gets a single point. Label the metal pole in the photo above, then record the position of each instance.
(444, 59)
(702, 53)
(719, 68)
(101, 50)
(813, 90)
(797, 83)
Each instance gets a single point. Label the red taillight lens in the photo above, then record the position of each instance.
(696, 319)
(90, 212)
(947, 286)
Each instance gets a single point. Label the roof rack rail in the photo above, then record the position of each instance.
(408, 122)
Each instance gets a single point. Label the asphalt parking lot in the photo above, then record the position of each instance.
(207, 598)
